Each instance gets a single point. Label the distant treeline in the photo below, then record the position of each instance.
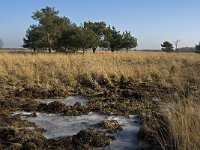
(60, 34)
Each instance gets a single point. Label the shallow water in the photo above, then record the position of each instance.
(57, 125)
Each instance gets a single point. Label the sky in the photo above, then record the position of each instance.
(151, 21)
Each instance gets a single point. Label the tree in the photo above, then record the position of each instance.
(198, 48)
(115, 39)
(87, 39)
(1, 43)
(69, 39)
(78, 37)
(100, 29)
(34, 38)
(167, 46)
(128, 41)
(50, 27)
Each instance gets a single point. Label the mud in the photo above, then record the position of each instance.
(111, 125)
(87, 139)
(13, 138)
(39, 92)
(53, 107)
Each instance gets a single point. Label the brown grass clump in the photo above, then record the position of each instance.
(88, 139)
(172, 125)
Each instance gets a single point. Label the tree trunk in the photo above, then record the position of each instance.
(94, 50)
(49, 48)
(49, 41)
(83, 51)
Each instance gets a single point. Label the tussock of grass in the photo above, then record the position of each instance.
(172, 125)
(184, 122)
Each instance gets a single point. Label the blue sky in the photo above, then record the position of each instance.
(150, 21)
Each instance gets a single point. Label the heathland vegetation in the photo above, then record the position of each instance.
(163, 89)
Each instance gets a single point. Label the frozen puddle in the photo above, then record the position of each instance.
(57, 125)
(71, 100)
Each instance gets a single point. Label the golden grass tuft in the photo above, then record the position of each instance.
(184, 122)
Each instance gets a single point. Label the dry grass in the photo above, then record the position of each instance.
(184, 121)
(178, 70)
(62, 70)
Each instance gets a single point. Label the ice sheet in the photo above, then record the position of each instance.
(58, 125)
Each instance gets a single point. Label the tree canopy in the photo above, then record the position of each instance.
(48, 30)
(128, 41)
(58, 33)
(167, 46)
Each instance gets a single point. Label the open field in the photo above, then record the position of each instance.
(162, 88)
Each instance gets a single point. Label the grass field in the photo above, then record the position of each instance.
(173, 79)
